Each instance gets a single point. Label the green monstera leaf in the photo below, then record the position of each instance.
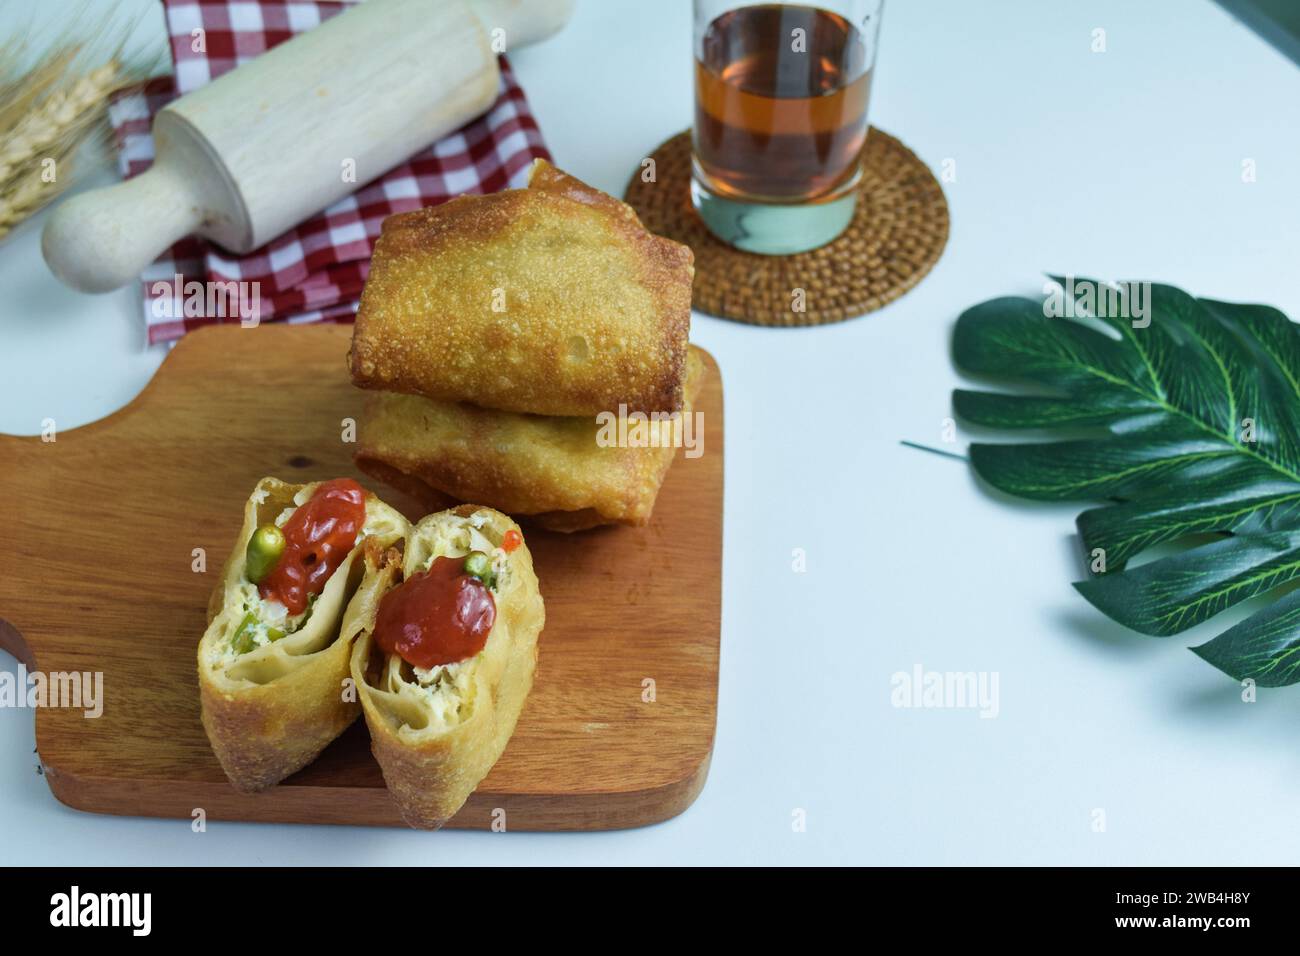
(1182, 415)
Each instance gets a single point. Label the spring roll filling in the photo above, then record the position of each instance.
(442, 695)
(264, 621)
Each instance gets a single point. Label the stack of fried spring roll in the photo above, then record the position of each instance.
(494, 331)
(276, 688)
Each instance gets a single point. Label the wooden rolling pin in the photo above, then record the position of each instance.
(275, 141)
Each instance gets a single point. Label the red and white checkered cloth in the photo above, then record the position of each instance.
(315, 271)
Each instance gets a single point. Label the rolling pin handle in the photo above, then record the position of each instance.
(102, 239)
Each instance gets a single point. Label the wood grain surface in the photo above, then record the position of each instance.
(96, 575)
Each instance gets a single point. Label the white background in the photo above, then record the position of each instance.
(1122, 164)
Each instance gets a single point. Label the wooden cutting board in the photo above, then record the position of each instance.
(96, 575)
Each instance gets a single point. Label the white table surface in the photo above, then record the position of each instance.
(1121, 164)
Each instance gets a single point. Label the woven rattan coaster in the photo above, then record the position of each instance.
(898, 232)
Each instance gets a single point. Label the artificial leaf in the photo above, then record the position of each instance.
(1264, 648)
(1184, 420)
(1171, 595)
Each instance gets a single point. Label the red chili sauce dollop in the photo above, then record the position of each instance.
(438, 616)
(317, 537)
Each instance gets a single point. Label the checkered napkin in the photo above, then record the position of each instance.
(314, 272)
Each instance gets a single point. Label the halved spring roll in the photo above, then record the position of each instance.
(444, 661)
(559, 473)
(271, 665)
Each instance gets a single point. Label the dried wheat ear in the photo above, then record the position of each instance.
(49, 111)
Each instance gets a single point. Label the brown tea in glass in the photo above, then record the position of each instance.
(781, 94)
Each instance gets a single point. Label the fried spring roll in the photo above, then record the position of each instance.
(271, 665)
(551, 300)
(557, 472)
(444, 661)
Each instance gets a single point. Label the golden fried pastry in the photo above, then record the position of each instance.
(561, 473)
(271, 664)
(551, 300)
(444, 661)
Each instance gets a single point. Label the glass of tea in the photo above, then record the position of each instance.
(781, 95)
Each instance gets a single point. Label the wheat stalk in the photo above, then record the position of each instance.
(48, 112)
(21, 91)
(22, 197)
(36, 158)
(62, 116)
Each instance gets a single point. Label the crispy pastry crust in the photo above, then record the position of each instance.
(552, 300)
(548, 470)
(268, 732)
(432, 771)
(267, 725)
